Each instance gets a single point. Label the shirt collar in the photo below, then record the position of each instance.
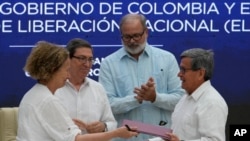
(200, 90)
(85, 83)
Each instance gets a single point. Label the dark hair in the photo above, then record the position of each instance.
(201, 59)
(75, 43)
(44, 60)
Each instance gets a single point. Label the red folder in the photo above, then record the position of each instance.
(150, 129)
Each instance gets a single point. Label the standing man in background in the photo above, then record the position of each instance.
(85, 99)
(125, 71)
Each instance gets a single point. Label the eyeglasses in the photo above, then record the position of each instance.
(135, 37)
(183, 70)
(84, 59)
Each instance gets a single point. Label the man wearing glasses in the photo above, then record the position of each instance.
(201, 114)
(85, 99)
(125, 71)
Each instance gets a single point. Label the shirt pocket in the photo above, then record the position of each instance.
(160, 81)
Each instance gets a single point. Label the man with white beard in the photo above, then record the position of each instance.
(126, 74)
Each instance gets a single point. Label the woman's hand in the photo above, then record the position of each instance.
(123, 132)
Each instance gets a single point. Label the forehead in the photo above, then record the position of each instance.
(131, 26)
(186, 62)
(83, 51)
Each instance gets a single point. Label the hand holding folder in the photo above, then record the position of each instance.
(150, 129)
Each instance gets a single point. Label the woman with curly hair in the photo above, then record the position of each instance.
(41, 117)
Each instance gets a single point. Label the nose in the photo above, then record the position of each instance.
(87, 64)
(132, 40)
(179, 74)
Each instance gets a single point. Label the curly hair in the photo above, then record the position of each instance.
(44, 60)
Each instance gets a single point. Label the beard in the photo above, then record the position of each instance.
(135, 48)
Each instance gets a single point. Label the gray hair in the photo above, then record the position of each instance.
(201, 58)
(140, 17)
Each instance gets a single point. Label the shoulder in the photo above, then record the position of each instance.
(94, 83)
(115, 55)
(161, 51)
(166, 57)
(214, 97)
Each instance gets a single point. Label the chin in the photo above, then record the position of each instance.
(61, 86)
(182, 85)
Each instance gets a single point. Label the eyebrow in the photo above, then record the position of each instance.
(83, 56)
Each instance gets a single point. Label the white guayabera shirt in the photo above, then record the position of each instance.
(89, 104)
(201, 116)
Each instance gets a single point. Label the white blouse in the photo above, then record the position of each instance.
(41, 117)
